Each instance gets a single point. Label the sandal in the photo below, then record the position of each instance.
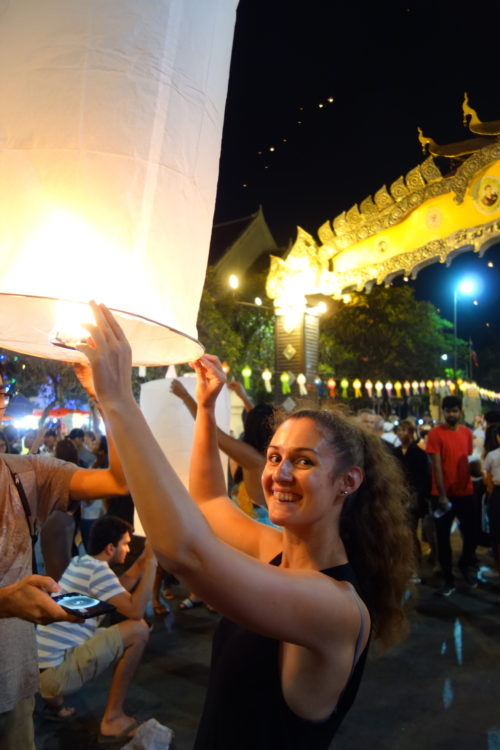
(189, 603)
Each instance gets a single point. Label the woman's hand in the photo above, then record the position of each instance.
(209, 381)
(110, 356)
(178, 390)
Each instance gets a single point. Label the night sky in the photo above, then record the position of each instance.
(389, 67)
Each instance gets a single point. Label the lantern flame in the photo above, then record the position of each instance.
(69, 330)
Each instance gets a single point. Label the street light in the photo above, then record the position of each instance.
(466, 287)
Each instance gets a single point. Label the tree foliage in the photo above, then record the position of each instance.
(240, 334)
(47, 382)
(387, 334)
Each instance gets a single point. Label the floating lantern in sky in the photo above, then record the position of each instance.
(111, 119)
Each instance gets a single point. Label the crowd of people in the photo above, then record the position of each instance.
(307, 558)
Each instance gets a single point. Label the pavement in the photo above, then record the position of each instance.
(438, 689)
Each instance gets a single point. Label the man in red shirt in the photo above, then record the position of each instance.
(449, 445)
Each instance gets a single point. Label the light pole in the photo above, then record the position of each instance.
(465, 287)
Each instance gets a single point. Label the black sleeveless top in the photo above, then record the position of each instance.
(244, 706)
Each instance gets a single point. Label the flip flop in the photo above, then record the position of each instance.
(188, 603)
(111, 739)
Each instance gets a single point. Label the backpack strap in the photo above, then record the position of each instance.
(29, 516)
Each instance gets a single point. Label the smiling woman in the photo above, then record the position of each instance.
(298, 603)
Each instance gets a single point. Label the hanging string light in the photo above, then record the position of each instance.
(301, 382)
(285, 382)
(266, 377)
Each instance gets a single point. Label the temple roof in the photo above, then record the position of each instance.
(236, 245)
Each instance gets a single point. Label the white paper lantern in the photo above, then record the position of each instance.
(173, 426)
(111, 116)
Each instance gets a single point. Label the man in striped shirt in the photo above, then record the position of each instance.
(70, 654)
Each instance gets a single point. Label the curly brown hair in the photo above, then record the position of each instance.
(373, 524)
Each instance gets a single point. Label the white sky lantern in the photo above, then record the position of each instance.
(173, 426)
(111, 116)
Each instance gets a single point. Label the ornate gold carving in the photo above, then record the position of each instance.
(383, 199)
(399, 189)
(414, 179)
(326, 234)
(474, 123)
(353, 216)
(368, 207)
(340, 224)
(429, 170)
(411, 262)
(385, 210)
(459, 181)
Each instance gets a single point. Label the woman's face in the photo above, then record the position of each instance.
(299, 479)
(3, 446)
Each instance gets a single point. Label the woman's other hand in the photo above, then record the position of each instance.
(178, 390)
(210, 379)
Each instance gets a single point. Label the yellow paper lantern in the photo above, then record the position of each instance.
(356, 384)
(111, 118)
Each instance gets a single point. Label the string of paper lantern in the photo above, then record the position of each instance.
(356, 389)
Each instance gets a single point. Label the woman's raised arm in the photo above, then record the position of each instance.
(206, 478)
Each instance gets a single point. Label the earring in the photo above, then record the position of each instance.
(344, 492)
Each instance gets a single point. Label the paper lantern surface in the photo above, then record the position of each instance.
(173, 426)
(111, 116)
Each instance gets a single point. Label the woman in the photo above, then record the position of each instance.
(297, 632)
